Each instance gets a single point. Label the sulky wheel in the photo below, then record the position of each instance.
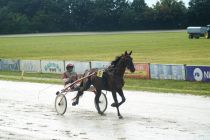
(60, 104)
(206, 35)
(102, 105)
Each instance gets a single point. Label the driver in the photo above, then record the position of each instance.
(69, 76)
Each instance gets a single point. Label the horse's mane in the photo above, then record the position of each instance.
(114, 62)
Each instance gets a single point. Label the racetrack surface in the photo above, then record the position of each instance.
(27, 112)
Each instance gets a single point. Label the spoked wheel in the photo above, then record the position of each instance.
(60, 104)
(102, 105)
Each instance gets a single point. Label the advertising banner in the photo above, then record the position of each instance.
(198, 73)
(141, 72)
(79, 67)
(100, 64)
(9, 65)
(50, 66)
(178, 72)
(161, 71)
(30, 65)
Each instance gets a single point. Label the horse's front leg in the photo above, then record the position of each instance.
(116, 103)
(120, 91)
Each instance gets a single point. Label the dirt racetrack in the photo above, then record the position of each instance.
(27, 112)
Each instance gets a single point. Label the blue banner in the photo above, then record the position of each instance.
(198, 73)
(9, 65)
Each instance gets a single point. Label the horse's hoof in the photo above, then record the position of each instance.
(57, 92)
(113, 105)
(120, 117)
(74, 103)
(102, 114)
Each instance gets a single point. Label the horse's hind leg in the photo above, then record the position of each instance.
(116, 102)
(81, 90)
(79, 93)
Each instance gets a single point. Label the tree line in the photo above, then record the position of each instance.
(35, 16)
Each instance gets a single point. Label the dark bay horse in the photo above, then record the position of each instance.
(111, 79)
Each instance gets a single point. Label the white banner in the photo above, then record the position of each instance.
(79, 67)
(178, 72)
(100, 64)
(170, 71)
(30, 65)
(50, 66)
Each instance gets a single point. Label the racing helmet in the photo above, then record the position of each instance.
(69, 66)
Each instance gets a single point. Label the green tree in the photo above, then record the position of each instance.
(198, 13)
(119, 11)
(49, 16)
(22, 16)
(11, 22)
(104, 14)
(170, 14)
(81, 12)
(139, 8)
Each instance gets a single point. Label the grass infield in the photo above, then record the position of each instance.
(163, 48)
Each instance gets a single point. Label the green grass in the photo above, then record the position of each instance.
(169, 86)
(173, 48)
(39, 75)
(163, 86)
(31, 77)
(163, 48)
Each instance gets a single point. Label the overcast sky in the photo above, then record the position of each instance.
(151, 2)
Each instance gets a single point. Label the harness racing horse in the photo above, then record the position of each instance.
(111, 79)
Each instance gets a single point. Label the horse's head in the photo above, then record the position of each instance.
(129, 61)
